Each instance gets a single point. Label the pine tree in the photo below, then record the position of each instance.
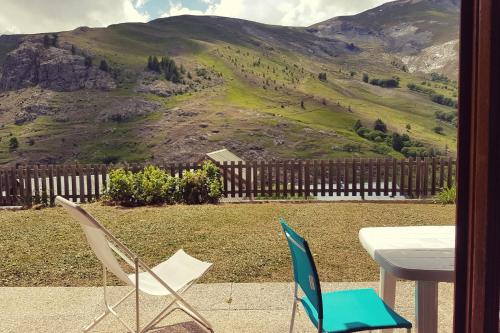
(55, 39)
(13, 144)
(357, 125)
(379, 125)
(73, 50)
(88, 61)
(150, 63)
(46, 40)
(103, 66)
(156, 65)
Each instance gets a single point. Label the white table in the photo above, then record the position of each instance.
(422, 254)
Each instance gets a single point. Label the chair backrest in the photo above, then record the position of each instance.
(304, 269)
(96, 237)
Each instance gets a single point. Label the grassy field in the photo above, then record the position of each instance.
(244, 241)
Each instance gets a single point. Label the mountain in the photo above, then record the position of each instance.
(175, 88)
(423, 34)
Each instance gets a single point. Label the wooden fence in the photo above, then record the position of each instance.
(405, 178)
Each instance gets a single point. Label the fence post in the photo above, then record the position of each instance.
(354, 180)
(307, 178)
(394, 177)
(362, 179)
(240, 179)
(346, 178)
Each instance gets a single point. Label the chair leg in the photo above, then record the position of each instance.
(137, 321)
(294, 308)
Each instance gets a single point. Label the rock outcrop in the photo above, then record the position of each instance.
(32, 64)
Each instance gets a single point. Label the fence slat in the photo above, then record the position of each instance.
(426, 177)
(270, 179)
(248, 180)
(43, 175)
(362, 178)
(386, 177)
(51, 185)
(370, 177)
(262, 179)
(378, 177)
(433, 177)
(286, 167)
(225, 176)
(3, 191)
(97, 187)
(254, 180)
(307, 178)
(402, 177)
(354, 181)
(74, 193)
(293, 167)
(338, 181)
(346, 178)
(323, 178)
(277, 178)
(240, 179)
(232, 167)
(315, 173)
(301, 178)
(29, 188)
(330, 178)
(394, 177)
(418, 177)
(410, 177)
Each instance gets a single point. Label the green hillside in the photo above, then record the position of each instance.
(253, 88)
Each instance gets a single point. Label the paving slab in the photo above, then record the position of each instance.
(230, 307)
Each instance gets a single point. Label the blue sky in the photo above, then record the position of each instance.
(35, 16)
(155, 8)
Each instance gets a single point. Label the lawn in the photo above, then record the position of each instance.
(244, 241)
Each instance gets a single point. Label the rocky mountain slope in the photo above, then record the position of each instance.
(175, 88)
(422, 33)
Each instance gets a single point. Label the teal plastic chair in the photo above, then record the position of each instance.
(338, 311)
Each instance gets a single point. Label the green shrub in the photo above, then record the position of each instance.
(121, 187)
(447, 195)
(201, 186)
(154, 186)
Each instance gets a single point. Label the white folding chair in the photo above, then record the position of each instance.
(170, 278)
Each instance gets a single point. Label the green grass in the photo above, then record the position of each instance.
(47, 248)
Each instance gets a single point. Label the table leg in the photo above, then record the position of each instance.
(426, 306)
(387, 290)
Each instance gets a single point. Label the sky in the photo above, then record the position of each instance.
(33, 16)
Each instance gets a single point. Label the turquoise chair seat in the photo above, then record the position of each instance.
(354, 311)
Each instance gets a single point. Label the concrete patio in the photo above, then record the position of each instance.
(230, 307)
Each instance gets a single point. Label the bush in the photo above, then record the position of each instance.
(121, 187)
(379, 125)
(381, 149)
(13, 144)
(154, 186)
(438, 130)
(447, 195)
(201, 186)
(385, 83)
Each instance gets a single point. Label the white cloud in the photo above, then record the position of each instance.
(282, 12)
(32, 16)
